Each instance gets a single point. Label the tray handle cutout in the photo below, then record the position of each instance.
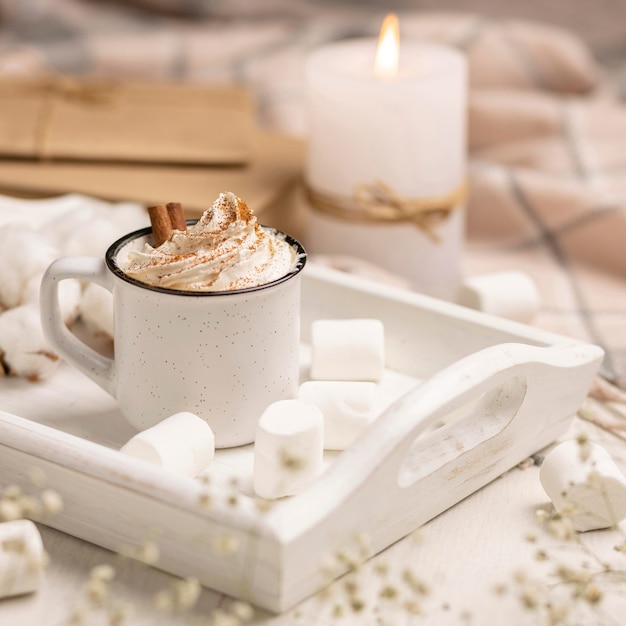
(478, 420)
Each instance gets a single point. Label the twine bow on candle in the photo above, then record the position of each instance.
(378, 202)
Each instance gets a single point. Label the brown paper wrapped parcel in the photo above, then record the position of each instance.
(61, 117)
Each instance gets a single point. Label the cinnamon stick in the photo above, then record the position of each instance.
(161, 224)
(176, 215)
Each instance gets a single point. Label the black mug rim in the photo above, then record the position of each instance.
(114, 248)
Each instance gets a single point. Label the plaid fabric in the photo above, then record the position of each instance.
(547, 150)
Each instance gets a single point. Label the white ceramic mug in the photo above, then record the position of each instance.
(224, 356)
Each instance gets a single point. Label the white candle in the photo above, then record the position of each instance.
(405, 127)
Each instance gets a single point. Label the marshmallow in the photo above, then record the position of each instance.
(182, 443)
(288, 448)
(22, 558)
(351, 349)
(591, 492)
(513, 295)
(348, 408)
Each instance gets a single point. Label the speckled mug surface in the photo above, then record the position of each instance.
(224, 356)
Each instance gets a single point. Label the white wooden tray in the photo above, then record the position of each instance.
(477, 395)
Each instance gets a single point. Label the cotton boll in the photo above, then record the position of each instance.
(69, 296)
(24, 253)
(91, 229)
(90, 239)
(96, 309)
(126, 217)
(25, 352)
(30, 294)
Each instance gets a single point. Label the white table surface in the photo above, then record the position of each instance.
(470, 558)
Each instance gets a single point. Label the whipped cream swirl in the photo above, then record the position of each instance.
(225, 249)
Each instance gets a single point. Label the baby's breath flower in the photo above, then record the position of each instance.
(594, 479)
(233, 499)
(570, 575)
(9, 510)
(219, 617)
(12, 492)
(414, 583)
(37, 476)
(186, 593)
(290, 461)
(330, 566)
(389, 592)
(242, 610)
(500, 589)
(584, 450)
(381, 568)
(148, 552)
(205, 500)
(530, 598)
(163, 601)
(592, 594)
(348, 559)
(413, 607)
(103, 572)
(357, 604)
(325, 594)
(35, 564)
(15, 545)
(30, 506)
(262, 504)
(562, 529)
(119, 613)
(96, 592)
(620, 547)
(51, 501)
(77, 617)
(417, 535)
(226, 544)
(39, 563)
(568, 509)
(364, 543)
(557, 614)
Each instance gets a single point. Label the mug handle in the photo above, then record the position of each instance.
(98, 367)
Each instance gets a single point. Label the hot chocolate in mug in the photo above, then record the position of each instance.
(223, 355)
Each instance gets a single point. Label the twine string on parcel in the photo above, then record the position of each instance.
(53, 90)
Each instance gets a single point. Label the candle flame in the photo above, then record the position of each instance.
(388, 50)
